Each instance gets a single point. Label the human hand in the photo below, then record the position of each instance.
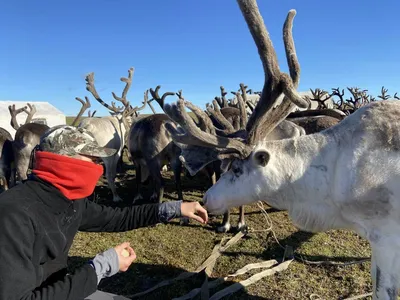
(126, 256)
(194, 211)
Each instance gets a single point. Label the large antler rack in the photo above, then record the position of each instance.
(113, 107)
(320, 96)
(14, 112)
(266, 115)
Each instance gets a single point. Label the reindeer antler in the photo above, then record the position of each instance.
(14, 112)
(265, 116)
(318, 94)
(91, 115)
(85, 105)
(156, 96)
(30, 113)
(383, 95)
(91, 88)
(128, 82)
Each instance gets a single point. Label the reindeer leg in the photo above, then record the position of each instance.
(155, 172)
(177, 169)
(242, 225)
(385, 268)
(226, 225)
(111, 172)
(138, 182)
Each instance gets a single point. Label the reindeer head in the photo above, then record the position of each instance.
(246, 159)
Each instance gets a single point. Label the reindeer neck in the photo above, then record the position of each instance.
(300, 168)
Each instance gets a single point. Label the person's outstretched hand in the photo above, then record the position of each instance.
(126, 256)
(195, 211)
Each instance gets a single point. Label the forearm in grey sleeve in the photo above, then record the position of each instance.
(105, 264)
(169, 210)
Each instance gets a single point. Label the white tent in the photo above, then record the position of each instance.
(45, 114)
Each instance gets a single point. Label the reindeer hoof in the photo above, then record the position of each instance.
(184, 221)
(224, 228)
(242, 227)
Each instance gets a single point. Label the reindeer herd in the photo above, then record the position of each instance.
(331, 161)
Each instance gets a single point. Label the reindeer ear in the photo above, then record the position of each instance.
(261, 158)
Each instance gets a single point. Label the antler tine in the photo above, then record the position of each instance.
(396, 97)
(223, 97)
(216, 113)
(91, 115)
(14, 112)
(91, 88)
(264, 117)
(383, 95)
(30, 112)
(336, 92)
(85, 105)
(128, 82)
(220, 101)
(194, 136)
(179, 94)
(151, 105)
(145, 102)
(156, 96)
(356, 94)
(317, 96)
(204, 120)
(242, 100)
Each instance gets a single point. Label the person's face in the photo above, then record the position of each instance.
(92, 159)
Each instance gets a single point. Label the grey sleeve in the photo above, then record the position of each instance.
(169, 210)
(105, 264)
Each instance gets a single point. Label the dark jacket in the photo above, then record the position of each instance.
(37, 227)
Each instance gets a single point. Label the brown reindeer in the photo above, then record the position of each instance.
(151, 147)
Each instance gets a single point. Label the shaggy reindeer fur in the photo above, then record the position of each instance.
(151, 147)
(344, 177)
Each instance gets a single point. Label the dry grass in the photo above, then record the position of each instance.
(164, 251)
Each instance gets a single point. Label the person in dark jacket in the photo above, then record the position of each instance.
(40, 218)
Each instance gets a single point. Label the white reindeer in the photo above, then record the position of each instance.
(347, 176)
(111, 131)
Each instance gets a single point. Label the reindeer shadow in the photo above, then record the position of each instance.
(295, 240)
(140, 277)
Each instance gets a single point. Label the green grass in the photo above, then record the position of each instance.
(164, 251)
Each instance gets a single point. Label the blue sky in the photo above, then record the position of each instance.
(49, 46)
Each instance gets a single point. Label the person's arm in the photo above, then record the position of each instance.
(17, 272)
(103, 218)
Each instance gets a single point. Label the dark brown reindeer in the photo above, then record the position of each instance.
(27, 136)
(7, 171)
(320, 118)
(151, 147)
